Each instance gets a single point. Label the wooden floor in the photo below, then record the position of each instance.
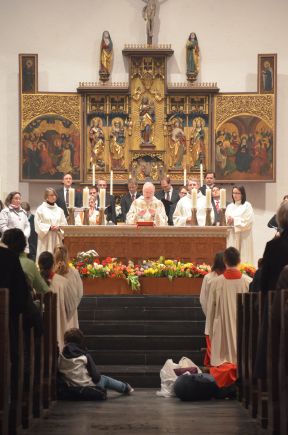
(145, 413)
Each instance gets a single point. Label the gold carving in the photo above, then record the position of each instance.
(228, 106)
(68, 106)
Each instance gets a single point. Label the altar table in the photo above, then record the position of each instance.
(197, 244)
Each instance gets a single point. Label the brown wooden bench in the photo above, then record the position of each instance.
(283, 364)
(4, 362)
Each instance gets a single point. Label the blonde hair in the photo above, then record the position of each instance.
(61, 260)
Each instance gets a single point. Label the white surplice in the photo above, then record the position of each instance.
(221, 317)
(147, 211)
(205, 287)
(184, 210)
(60, 285)
(46, 216)
(241, 235)
(73, 297)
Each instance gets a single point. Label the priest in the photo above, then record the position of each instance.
(147, 208)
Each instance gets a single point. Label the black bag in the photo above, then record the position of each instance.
(195, 387)
(65, 392)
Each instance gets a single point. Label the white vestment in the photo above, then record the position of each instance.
(204, 293)
(74, 297)
(46, 216)
(221, 317)
(147, 211)
(241, 235)
(60, 285)
(184, 210)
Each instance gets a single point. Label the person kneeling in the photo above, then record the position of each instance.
(79, 378)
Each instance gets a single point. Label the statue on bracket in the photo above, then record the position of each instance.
(97, 142)
(147, 120)
(192, 57)
(117, 144)
(106, 56)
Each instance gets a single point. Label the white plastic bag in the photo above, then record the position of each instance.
(168, 377)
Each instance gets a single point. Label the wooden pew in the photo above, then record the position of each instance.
(262, 407)
(245, 349)
(4, 362)
(27, 398)
(283, 365)
(239, 344)
(252, 347)
(38, 367)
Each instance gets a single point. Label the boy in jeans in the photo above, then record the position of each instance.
(79, 372)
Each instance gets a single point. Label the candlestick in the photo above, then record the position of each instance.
(201, 174)
(208, 197)
(86, 197)
(111, 182)
(194, 198)
(71, 198)
(102, 197)
(222, 198)
(185, 177)
(93, 175)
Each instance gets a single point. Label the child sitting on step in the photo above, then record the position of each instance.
(79, 377)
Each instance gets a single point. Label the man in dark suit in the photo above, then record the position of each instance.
(63, 194)
(110, 210)
(209, 182)
(127, 199)
(216, 204)
(168, 195)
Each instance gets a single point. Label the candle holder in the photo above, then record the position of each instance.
(208, 220)
(71, 217)
(222, 218)
(194, 221)
(86, 217)
(101, 216)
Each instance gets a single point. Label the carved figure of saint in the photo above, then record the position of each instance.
(267, 75)
(197, 142)
(97, 142)
(147, 119)
(106, 54)
(177, 145)
(117, 144)
(192, 56)
(148, 15)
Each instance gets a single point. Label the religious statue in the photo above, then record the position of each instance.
(106, 56)
(148, 15)
(147, 120)
(197, 142)
(117, 144)
(177, 146)
(97, 142)
(267, 75)
(192, 57)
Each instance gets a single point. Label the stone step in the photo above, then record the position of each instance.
(141, 313)
(137, 342)
(142, 327)
(89, 302)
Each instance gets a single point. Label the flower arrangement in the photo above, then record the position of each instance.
(90, 266)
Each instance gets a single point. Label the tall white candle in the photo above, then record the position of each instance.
(222, 198)
(102, 197)
(93, 175)
(71, 197)
(194, 198)
(208, 197)
(86, 197)
(111, 182)
(201, 174)
(185, 177)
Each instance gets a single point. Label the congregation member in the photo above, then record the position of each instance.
(168, 195)
(216, 204)
(209, 182)
(48, 219)
(63, 194)
(273, 221)
(15, 240)
(147, 208)
(78, 369)
(93, 211)
(63, 268)
(221, 318)
(240, 215)
(127, 199)
(182, 192)
(183, 213)
(33, 238)
(110, 204)
(14, 216)
(60, 286)
(93, 191)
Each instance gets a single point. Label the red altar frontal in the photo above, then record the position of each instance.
(196, 244)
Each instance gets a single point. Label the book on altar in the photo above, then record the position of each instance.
(145, 224)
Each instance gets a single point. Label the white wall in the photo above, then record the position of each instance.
(66, 35)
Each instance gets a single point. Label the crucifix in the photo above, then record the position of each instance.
(149, 15)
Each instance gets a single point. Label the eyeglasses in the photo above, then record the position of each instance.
(236, 193)
(183, 193)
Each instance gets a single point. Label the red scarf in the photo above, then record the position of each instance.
(232, 274)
